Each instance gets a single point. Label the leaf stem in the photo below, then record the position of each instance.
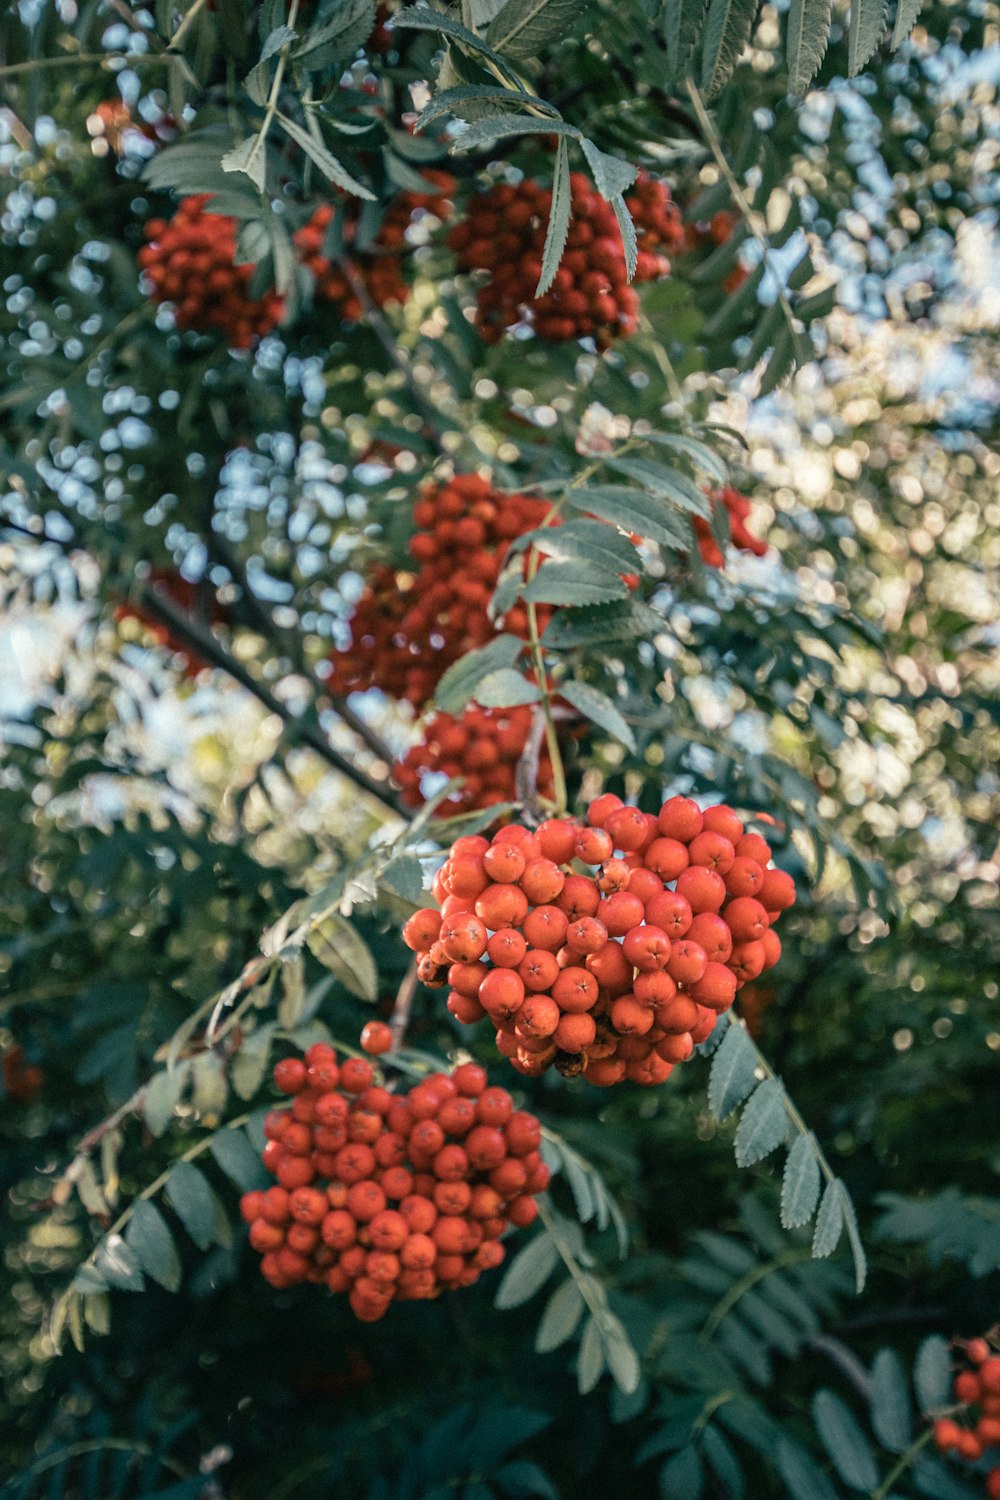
(904, 1462)
(737, 1291)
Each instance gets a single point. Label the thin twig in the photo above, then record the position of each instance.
(400, 1018)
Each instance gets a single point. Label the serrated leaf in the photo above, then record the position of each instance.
(560, 213)
(422, 18)
(590, 1361)
(590, 541)
(733, 1075)
(865, 30)
(458, 685)
(694, 449)
(573, 583)
(800, 1184)
(683, 1476)
(907, 13)
(189, 1195)
(612, 176)
(250, 158)
(150, 1240)
(781, 362)
(803, 1479)
(808, 37)
(632, 510)
(527, 1272)
(248, 1066)
(404, 874)
(932, 1373)
(338, 37)
(237, 1158)
(276, 40)
(891, 1417)
(487, 129)
(844, 1441)
(338, 945)
(477, 96)
(507, 688)
(727, 30)
(324, 159)
(601, 625)
(829, 1223)
(598, 707)
(561, 1316)
(667, 483)
(683, 21)
(763, 1124)
(523, 27)
(118, 1265)
(630, 243)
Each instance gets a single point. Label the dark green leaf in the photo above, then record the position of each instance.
(189, 1195)
(561, 1316)
(844, 1441)
(801, 1183)
(891, 1417)
(237, 1158)
(733, 1075)
(339, 945)
(117, 1263)
(932, 1374)
(523, 27)
(634, 511)
(829, 1223)
(682, 1476)
(590, 1363)
(727, 31)
(803, 1479)
(612, 176)
(153, 1245)
(598, 707)
(573, 583)
(528, 1272)
(560, 213)
(324, 159)
(865, 31)
(458, 685)
(808, 36)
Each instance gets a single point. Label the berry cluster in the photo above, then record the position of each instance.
(484, 746)
(388, 1197)
(738, 507)
(408, 627)
(503, 234)
(616, 974)
(977, 1389)
(380, 267)
(190, 261)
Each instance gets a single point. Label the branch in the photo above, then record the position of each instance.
(400, 1018)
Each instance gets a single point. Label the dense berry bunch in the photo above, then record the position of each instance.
(617, 973)
(390, 1197)
(484, 746)
(503, 233)
(408, 627)
(379, 267)
(190, 261)
(738, 508)
(977, 1390)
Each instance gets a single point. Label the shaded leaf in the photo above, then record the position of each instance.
(763, 1125)
(561, 1316)
(801, 1183)
(189, 1195)
(560, 213)
(150, 1240)
(842, 1437)
(527, 1272)
(598, 707)
(458, 685)
(829, 1223)
(734, 1072)
(338, 945)
(891, 1417)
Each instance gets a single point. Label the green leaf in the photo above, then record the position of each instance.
(522, 1479)
(590, 541)
(727, 31)
(622, 1360)
(601, 624)
(163, 1093)
(723, 1462)
(573, 583)
(249, 157)
(153, 1245)
(829, 1223)
(865, 31)
(891, 1417)
(590, 1361)
(527, 1272)
(559, 216)
(683, 22)
(932, 1374)
(676, 488)
(339, 37)
(630, 243)
(458, 685)
(803, 1479)
(683, 1476)
(808, 37)
(561, 1316)
(276, 40)
(907, 13)
(404, 874)
(237, 1158)
(698, 452)
(422, 18)
(119, 1266)
(763, 1124)
(857, 1248)
(324, 159)
(507, 688)
(612, 176)
(486, 130)
(452, 101)
(598, 707)
(632, 510)
(249, 1064)
(844, 1441)
(781, 362)
(189, 1195)
(523, 27)
(338, 945)
(733, 1075)
(801, 1183)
